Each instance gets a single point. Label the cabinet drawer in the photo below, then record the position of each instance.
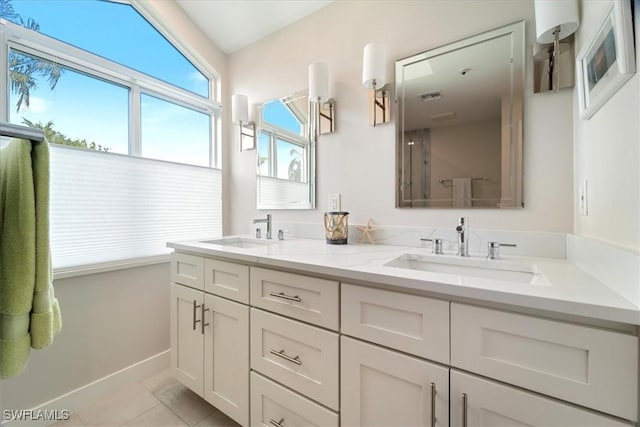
(187, 270)
(272, 404)
(489, 404)
(227, 280)
(588, 366)
(408, 323)
(297, 355)
(305, 298)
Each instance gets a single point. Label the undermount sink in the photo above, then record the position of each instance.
(240, 242)
(504, 271)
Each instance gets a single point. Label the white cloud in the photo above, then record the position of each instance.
(36, 106)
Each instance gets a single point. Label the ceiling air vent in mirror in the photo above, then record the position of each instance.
(431, 96)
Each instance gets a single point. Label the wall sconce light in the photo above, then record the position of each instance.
(323, 108)
(240, 115)
(374, 78)
(554, 64)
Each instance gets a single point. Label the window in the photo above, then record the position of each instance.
(105, 28)
(72, 105)
(174, 133)
(132, 123)
(282, 143)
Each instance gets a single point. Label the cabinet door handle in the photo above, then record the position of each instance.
(286, 357)
(202, 324)
(277, 423)
(433, 404)
(282, 295)
(464, 409)
(195, 307)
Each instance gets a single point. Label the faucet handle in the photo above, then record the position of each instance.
(493, 249)
(281, 234)
(437, 245)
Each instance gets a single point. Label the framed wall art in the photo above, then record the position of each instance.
(606, 60)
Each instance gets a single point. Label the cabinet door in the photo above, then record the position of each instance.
(226, 357)
(186, 336)
(385, 388)
(489, 404)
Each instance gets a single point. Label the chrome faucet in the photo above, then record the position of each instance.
(463, 236)
(267, 221)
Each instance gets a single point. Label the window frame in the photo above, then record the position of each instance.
(13, 36)
(276, 133)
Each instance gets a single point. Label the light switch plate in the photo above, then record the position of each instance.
(334, 202)
(583, 198)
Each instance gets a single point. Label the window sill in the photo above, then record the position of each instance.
(85, 270)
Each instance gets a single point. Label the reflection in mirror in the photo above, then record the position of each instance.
(286, 154)
(459, 141)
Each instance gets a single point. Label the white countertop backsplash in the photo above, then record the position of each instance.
(572, 290)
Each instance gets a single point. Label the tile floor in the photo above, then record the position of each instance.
(157, 401)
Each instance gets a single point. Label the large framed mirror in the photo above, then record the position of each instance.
(459, 129)
(286, 154)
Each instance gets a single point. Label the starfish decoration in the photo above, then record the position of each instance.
(366, 231)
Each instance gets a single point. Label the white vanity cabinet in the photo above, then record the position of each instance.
(479, 402)
(210, 337)
(286, 349)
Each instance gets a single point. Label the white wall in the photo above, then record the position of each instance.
(109, 322)
(607, 153)
(358, 160)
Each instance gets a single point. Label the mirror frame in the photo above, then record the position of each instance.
(310, 203)
(518, 69)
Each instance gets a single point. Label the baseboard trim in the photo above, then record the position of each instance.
(89, 393)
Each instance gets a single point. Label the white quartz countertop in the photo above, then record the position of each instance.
(567, 290)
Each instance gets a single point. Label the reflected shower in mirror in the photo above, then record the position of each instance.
(459, 140)
(285, 154)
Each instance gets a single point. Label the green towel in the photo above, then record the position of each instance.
(29, 312)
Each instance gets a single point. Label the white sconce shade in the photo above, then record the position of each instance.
(374, 69)
(551, 14)
(239, 109)
(318, 82)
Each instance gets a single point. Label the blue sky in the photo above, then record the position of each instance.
(108, 29)
(84, 107)
(88, 108)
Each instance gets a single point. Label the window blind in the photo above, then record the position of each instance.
(108, 208)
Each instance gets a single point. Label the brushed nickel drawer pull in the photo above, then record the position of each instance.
(202, 324)
(277, 423)
(282, 295)
(464, 409)
(195, 307)
(433, 404)
(281, 353)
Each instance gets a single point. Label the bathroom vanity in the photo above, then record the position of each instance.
(297, 332)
